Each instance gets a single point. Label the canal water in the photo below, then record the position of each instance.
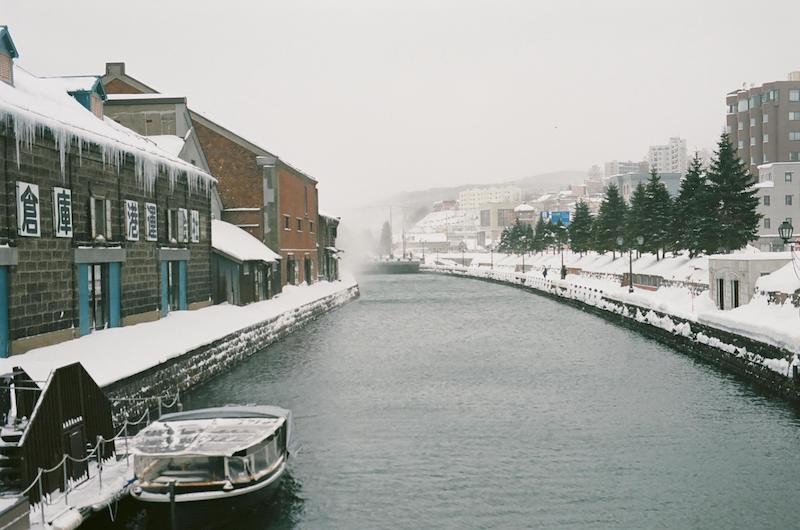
(437, 402)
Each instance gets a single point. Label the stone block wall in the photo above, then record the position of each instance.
(209, 360)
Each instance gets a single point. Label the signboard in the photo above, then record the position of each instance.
(555, 217)
(151, 221)
(62, 212)
(29, 221)
(131, 220)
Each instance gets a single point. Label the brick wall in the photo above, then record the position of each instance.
(43, 286)
(117, 86)
(240, 179)
(293, 188)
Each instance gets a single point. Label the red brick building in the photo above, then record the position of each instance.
(260, 193)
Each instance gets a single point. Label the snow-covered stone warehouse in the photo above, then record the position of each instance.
(99, 227)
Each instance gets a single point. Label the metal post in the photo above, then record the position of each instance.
(66, 481)
(491, 258)
(173, 515)
(159, 407)
(147, 415)
(41, 497)
(127, 452)
(100, 460)
(630, 270)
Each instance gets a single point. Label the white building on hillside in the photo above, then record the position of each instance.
(475, 197)
(669, 158)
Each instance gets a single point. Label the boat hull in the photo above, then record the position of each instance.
(211, 509)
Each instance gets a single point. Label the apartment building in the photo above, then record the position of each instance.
(615, 167)
(475, 197)
(764, 122)
(671, 157)
(779, 200)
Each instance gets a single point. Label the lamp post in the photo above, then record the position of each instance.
(491, 257)
(639, 241)
(785, 231)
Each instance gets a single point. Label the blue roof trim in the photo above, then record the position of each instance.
(97, 88)
(6, 43)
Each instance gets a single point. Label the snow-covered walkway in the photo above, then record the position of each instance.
(114, 354)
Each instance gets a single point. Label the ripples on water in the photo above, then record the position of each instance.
(437, 402)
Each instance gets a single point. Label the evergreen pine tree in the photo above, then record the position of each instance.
(730, 188)
(580, 229)
(691, 224)
(637, 215)
(658, 207)
(610, 222)
(539, 235)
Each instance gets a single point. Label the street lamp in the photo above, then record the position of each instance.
(785, 231)
(639, 241)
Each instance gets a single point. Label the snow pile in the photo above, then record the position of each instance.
(117, 353)
(238, 244)
(37, 105)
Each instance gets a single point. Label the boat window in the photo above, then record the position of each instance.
(180, 469)
(260, 456)
(238, 469)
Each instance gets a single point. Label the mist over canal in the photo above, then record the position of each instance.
(438, 402)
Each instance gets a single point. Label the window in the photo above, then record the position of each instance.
(766, 222)
(787, 177)
(311, 226)
(286, 222)
(741, 126)
(728, 129)
(765, 118)
(100, 211)
(172, 225)
(794, 116)
(731, 109)
(794, 135)
(752, 122)
(305, 199)
(794, 156)
(743, 105)
(735, 293)
(766, 138)
(752, 141)
(765, 202)
(764, 158)
(740, 145)
(788, 200)
(299, 225)
(173, 285)
(794, 94)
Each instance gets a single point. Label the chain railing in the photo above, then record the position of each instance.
(35, 491)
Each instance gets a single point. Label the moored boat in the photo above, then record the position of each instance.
(196, 468)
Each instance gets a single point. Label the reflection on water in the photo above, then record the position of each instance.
(436, 402)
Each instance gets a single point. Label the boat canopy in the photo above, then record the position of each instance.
(204, 437)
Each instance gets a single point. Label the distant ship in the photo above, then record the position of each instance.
(393, 266)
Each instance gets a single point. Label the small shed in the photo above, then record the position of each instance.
(243, 269)
(732, 277)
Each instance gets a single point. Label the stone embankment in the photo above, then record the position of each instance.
(135, 394)
(760, 363)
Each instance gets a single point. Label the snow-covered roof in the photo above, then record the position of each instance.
(752, 256)
(76, 83)
(786, 279)
(212, 437)
(329, 216)
(524, 208)
(35, 104)
(170, 143)
(238, 244)
(148, 96)
(764, 184)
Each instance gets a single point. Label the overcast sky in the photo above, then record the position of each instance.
(373, 97)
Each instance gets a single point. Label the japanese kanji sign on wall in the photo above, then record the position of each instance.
(151, 221)
(195, 226)
(28, 210)
(183, 225)
(62, 212)
(131, 220)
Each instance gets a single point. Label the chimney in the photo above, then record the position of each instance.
(8, 52)
(794, 76)
(117, 69)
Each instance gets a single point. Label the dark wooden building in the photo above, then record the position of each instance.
(243, 269)
(326, 246)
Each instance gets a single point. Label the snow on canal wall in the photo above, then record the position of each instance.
(766, 365)
(209, 360)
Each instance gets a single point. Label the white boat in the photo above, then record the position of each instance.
(196, 467)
